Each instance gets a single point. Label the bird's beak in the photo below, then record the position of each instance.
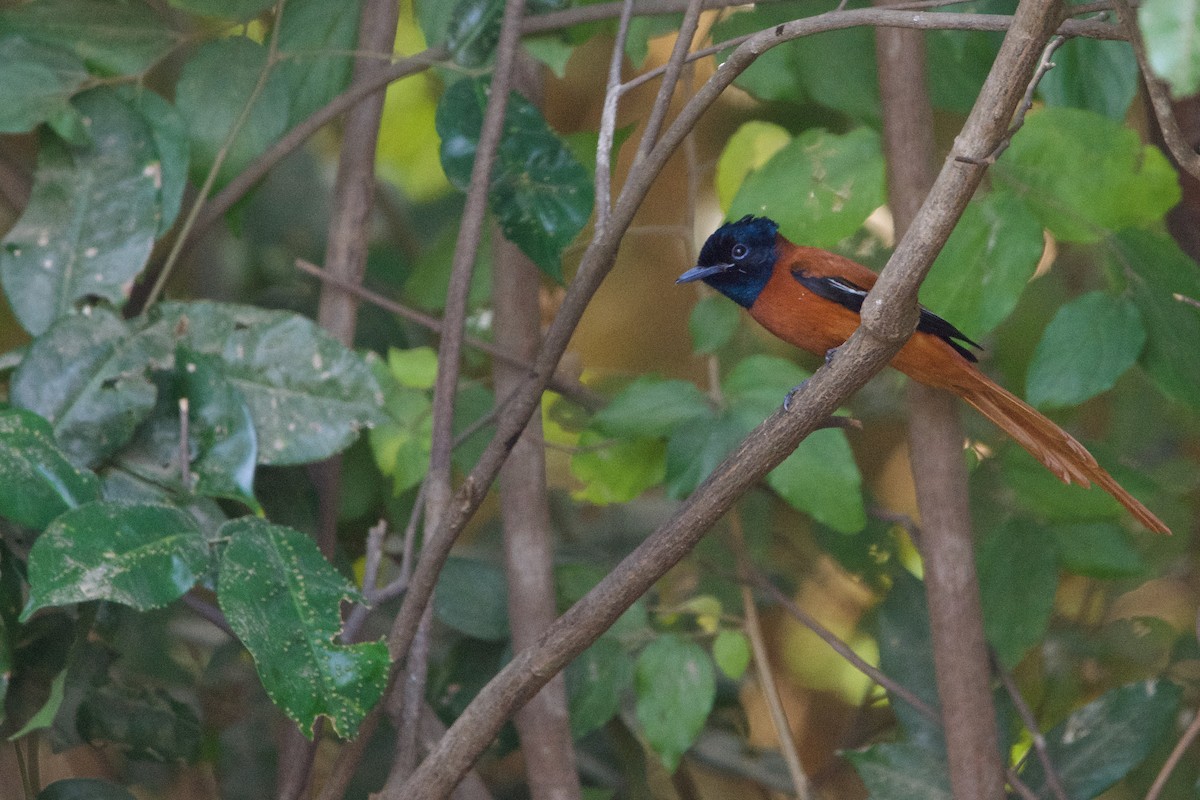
(700, 273)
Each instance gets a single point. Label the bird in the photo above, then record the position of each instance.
(811, 298)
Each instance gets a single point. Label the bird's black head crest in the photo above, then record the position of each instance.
(738, 258)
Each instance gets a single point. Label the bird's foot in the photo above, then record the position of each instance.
(829, 354)
(787, 399)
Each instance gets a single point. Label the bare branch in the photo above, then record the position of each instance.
(1177, 753)
(1031, 724)
(608, 120)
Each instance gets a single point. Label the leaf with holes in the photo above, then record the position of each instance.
(144, 556)
(37, 480)
(281, 598)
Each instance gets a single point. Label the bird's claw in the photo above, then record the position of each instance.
(787, 399)
(829, 354)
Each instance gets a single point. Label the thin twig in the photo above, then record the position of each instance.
(608, 120)
(1031, 724)
(185, 454)
(1181, 747)
(674, 66)
(1181, 298)
(374, 555)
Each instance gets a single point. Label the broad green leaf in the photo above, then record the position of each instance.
(1038, 490)
(37, 481)
(756, 386)
(309, 396)
(906, 656)
(541, 195)
(91, 219)
(170, 137)
(314, 34)
(957, 62)
(731, 652)
(1097, 550)
(144, 556)
(112, 38)
(979, 276)
(652, 407)
(772, 76)
(712, 323)
(474, 31)
(1157, 271)
(473, 431)
(213, 89)
(675, 686)
(415, 368)
(83, 789)
(901, 771)
(87, 375)
(1018, 576)
(1100, 743)
(1084, 175)
(554, 50)
(644, 28)
(236, 10)
(820, 187)
(401, 443)
(822, 480)
(596, 679)
(281, 597)
(616, 470)
(1090, 343)
(472, 598)
(696, 448)
(39, 81)
(145, 723)
(748, 149)
(1171, 29)
(1093, 75)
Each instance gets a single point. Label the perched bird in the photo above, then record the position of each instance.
(811, 298)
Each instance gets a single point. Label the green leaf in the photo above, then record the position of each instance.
(1018, 576)
(112, 37)
(772, 76)
(1090, 343)
(819, 188)
(401, 443)
(170, 137)
(748, 149)
(472, 405)
(712, 323)
(474, 31)
(958, 62)
(1158, 271)
(311, 33)
(731, 652)
(822, 480)
(617, 471)
(91, 218)
(596, 680)
(281, 598)
(1100, 743)
(652, 406)
(988, 261)
(87, 376)
(906, 656)
(554, 50)
(901, 771)
(675, 687)
(309, 396)
(472, 597)
(37, 481)
(1084, 175)
(1097, 550)
(236, 10)
(415, 368)
(644, 28)
(541, 195)
(214, 86)
(83, 789)
(39, 81)
(696, 448)
(1036, 489)
(145, 723)
(573, 580)
(757, 384)
(44, 717)
(1172, 33)
(1093, 75)
(144, 556)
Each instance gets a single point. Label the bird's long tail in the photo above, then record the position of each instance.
(1049, 444)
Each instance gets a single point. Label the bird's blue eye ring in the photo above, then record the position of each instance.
(739, 251)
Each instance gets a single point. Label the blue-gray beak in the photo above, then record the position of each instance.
(700, 273)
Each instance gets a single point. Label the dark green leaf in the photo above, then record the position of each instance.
(281, 597)
(595, 681)
(87, 376)
(236, 10)
(37, 481)
(472, 404)
(1090, 343)
(986, 264)
(675, 686)
(573, 580)
(308, 395)
(1100, 743)
(1036, 489)
(83, 789)
(712, 323)
(144, 556)
(617, 470)
(214, 86)
(1084, 175)
(171, 141)
(819, 188)
(958, 62)
(906, 656)
(91, 219)
(113, 38)
(312, 32)
(652, 407)
(772, 76)
(541, 195)
(1093, 75)
(1172, 33)
(696, 448)
(756, 386)
(145, 724)
(39, 81)
(1097, 550)
(474, 31)
(822, 480)
(1158, 271)
(472, 597)
(901, 771)
(731, 652)
(1018, 576)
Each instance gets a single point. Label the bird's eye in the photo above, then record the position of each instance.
(739, 251)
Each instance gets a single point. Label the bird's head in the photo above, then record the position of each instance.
(737, 260)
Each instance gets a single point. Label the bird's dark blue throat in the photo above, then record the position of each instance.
(737, 260)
